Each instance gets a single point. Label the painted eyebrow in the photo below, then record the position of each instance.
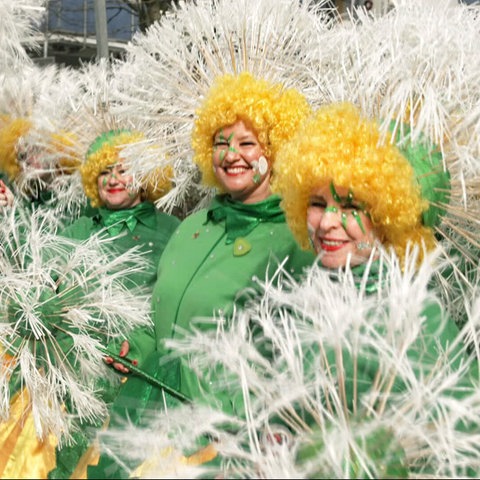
(220, 137)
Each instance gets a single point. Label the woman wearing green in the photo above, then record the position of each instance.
(128, 219)
(126, 213)
(349, 197)
(212, 261)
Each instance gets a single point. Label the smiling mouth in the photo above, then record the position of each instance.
(235, 170)
(331, 245)
(115, 190)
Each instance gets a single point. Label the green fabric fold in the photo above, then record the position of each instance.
(242, 218)
(116, 220)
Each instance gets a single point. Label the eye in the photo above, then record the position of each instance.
(220, 143)
(350, 206)
(248, 143)
(317, 203)
(121, 172)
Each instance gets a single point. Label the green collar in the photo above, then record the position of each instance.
(241, 218)
(116, 220)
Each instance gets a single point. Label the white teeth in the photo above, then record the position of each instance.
(236, 169)
(332, 243)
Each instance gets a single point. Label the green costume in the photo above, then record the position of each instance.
(149, 229)
(145, 227)
(360, 373)
(207, 268)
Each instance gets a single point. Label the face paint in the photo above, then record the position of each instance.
(260, 168)
(262, 165)
(331, 209)
(229, 140)
(334, 193)
(344, 221)
(364, 245)
(350, 197)
(356, 216)
(104, 181)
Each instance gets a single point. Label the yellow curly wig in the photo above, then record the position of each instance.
(272, 112)
(104, 152)
(10, 132)
(62, 145)
(338, 145)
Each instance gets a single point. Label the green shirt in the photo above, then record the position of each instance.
(211, 266)
(144, 227)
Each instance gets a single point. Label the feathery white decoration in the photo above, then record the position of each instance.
(169, 69)
(428, 427)
(20, 21)
(61, 303)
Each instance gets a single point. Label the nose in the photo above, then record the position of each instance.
(231, 154)
(331, 219)
(112, 178)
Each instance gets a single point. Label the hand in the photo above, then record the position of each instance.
(124, 349)
(6, 196)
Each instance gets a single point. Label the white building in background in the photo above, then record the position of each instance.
(68, 33)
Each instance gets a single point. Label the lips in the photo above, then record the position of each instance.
(115, 190)
(235, 170)
(330, 245)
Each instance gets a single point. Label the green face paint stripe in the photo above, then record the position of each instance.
(350, 197)
(221, 136)
(356, 216)
(222, 155)
(231, 149)
(104, 181)
(256, 178)
(334, 193)
(331, 209)
(344, 221)
(230, 137)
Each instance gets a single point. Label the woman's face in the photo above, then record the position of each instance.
(115, 189)
(239, 164)
(338, 227)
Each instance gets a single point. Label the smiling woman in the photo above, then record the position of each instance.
(340, 228)
(116, 189)
(211, 264)
(127, 219)
(239, 164)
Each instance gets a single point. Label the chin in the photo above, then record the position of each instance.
(332, 263)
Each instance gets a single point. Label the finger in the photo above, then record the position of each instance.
(124, 349)
(108, 360)
(121, 368)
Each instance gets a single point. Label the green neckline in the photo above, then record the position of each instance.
(241, 218)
